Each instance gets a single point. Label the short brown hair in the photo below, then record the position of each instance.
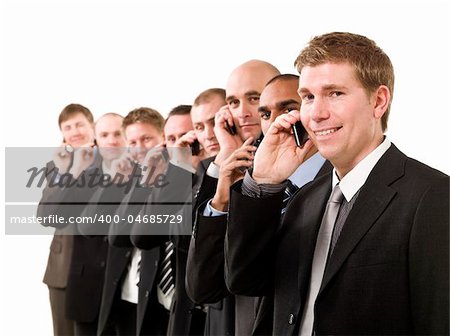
(179, 110)
(372, 66)
(207, 95)
(145, 115)
(72, 109)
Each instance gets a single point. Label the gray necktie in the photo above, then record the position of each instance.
(320, 259)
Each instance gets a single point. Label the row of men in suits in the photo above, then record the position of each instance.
(266, 258)
(110, 288)
(220, 318)
(362, 247)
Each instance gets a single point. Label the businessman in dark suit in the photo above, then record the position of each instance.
(205, 279)
(187, 317)
(88, 260)
(236, 122)
(374, 259)
(76, 124)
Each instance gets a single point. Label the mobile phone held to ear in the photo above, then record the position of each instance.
(299, 131)
(230, 129)
(300, 134)
(195, 148)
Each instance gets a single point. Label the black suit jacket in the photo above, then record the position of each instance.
(185, 319)
(389, 272)
(58, 264)
(205, 280)
(88, 258)
(150, 317)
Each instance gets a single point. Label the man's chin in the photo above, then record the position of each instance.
(212, 152)
(247, 135)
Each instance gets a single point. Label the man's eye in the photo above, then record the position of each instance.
(198, 127)
(307, 97)
(337, 93)
(254, 99)
(233, 103)
(265, 115)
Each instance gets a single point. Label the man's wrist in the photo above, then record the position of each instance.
(219, 203)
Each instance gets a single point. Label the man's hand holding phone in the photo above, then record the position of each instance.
(83, 157)
(187, 151)
(121, 168)
(232, 170)
(155, 163)
(226, 134)
(62, 158)
(278, 155)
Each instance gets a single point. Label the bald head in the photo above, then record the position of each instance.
(244, 86)
(260, 71)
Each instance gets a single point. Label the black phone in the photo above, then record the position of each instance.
(195, 148)
(300, 134)
(299, 131)
(165, 154)
(230, 129)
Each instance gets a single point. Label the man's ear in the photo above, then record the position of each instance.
(381, 100)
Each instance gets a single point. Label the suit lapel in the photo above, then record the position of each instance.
(372, 201)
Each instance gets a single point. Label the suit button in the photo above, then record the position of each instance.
(291, 320)
(105, 239)
(127, 254)
(102, 264)
(147, 293)
(156, 262)
(115, 282)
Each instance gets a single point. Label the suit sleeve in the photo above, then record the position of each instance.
(250, 244)
(129, 209)
(205, 278)
(100, 210)
(429, 262)
(68, 201)
(167, 212)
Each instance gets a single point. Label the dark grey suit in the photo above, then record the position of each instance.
(389, 271)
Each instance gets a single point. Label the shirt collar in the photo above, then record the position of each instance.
(105, 169)
(355, 178)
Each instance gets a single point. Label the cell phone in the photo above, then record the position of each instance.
(258, 141)
(299, 131)
(165, 154)
(300, 134)
(195, 148)
(230, 129)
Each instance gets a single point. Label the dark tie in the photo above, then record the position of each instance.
(320, 258)
(290, 190)
(166, 281)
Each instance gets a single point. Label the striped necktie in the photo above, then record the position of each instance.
(290, 190)
(166, 280)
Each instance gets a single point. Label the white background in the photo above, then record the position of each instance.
(119, 55)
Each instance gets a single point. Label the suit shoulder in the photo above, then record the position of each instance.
(422, 172)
